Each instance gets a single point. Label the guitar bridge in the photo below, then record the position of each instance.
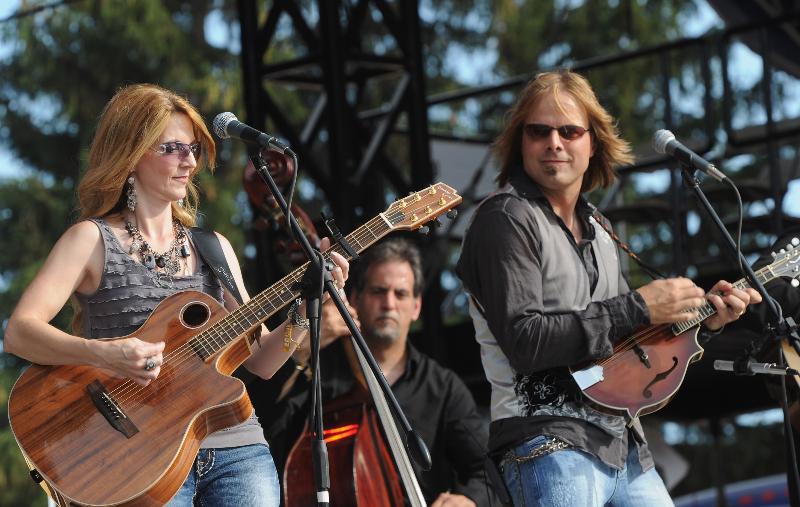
(115, 416)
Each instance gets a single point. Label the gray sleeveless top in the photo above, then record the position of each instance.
(125, 298)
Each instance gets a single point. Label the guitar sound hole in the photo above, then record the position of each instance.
(195, 314)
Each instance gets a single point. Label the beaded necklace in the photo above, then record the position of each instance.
(162, 266)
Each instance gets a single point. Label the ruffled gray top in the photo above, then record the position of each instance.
(127, 295)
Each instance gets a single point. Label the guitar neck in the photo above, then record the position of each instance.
(407, 213)
(265, 304)
(763, 275)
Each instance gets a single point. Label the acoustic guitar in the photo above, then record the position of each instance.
(96, 439)
(646, 369)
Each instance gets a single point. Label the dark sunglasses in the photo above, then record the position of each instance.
(182, 149)
(542, 131)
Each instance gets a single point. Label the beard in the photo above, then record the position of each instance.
(382, 336)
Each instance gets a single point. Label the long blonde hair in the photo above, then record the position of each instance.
(610, 149)
(131, 123)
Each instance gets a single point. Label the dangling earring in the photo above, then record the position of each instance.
(131, 194)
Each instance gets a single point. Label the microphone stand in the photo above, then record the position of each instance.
(317, 271)
(778, 327)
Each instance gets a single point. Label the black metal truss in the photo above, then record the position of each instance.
(342, 150)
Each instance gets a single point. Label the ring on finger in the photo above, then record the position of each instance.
(150, 364)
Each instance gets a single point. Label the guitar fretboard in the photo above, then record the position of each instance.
(264, 304)
(414, 210)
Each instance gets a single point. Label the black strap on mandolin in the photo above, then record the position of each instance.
(601, 220)
(208, 246)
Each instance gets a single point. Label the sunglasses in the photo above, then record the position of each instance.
(182, 149)
(542, 131)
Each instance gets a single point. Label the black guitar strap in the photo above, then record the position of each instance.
(208, 246)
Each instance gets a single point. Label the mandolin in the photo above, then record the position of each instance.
(646, 369)
(95, 439)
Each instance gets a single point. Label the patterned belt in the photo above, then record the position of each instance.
(550, 446)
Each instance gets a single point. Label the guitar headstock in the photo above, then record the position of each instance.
(786, 262)
(413, 211)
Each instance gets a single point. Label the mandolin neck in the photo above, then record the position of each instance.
(763, 275)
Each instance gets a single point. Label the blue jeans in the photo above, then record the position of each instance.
(569, 477)
(234, 476)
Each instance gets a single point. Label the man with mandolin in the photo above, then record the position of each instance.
(131, 253)
(547, 295)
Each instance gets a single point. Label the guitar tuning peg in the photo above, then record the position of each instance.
(789, 247)
(795, 241)
(773, 254)
(795, 283)
(782, 251)
(452, 214)
(424, 230)
(436, 222)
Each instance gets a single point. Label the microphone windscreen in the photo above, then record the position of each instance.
(221, 122)
(660, 140)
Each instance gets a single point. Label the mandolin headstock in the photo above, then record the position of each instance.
(786, 262)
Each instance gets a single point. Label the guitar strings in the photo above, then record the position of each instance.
(682, 327)
(128, 389)
(185, 351)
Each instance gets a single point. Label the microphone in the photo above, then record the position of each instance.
(226, 125)
(664, 142)
(753, 367)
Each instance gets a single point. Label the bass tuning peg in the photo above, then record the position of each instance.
(452, 214)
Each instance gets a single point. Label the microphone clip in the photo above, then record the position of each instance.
(338, 237)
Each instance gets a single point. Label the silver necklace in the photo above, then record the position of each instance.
(162, 266)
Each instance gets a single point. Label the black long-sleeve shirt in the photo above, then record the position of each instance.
(549, 302)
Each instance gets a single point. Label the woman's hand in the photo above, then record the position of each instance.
(341, 268)
(133, 358)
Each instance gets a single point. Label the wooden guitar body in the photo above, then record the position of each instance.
(631, 387)
(99, 440)
(88, 461)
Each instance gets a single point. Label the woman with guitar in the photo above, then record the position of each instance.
(131, 249)
(547, 295)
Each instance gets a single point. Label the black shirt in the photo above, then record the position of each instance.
(438, 406)
(546, 311)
